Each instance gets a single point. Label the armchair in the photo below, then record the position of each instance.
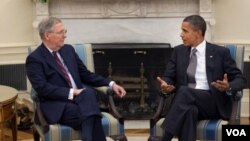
(112, 121)
(206, 129)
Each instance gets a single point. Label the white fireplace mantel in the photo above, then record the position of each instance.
(103, 21)
(123, 9)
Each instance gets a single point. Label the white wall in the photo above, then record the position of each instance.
(232, 21)
(16, 29)
(16, 21)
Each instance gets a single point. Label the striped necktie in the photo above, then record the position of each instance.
(63, 69)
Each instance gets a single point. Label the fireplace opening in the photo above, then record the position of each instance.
(135, 66)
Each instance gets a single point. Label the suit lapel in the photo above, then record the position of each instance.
(210, 58)
(51, 60)
(186, 57)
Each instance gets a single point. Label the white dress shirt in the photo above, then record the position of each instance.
(201, 75)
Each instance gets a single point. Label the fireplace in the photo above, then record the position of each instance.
(135, 66)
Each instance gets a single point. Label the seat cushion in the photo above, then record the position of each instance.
(58, 132)
(111, 125)
(206, 129)
(157, 130)
(210, 129)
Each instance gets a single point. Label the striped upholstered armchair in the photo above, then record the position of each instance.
(112, 121)
(207, 130)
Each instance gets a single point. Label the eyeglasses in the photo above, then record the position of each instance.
(60, 32)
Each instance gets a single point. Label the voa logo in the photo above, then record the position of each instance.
(236, 132)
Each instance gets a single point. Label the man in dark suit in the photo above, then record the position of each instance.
(57, 74)
(214, 75)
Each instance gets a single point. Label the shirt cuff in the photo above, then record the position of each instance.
(111, 84)
(71, 94)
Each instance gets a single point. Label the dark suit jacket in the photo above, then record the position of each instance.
(218, 62)
(48, 81)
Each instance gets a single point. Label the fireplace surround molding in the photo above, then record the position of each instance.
(145, 20)
(123, 8)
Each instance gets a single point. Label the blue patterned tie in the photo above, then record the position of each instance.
(192, 69)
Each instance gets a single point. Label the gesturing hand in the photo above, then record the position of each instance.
(165, 87)
(223, 85)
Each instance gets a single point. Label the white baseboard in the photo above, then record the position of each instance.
(136, 124)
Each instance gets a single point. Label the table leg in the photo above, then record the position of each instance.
(1, 133)
(14, 127)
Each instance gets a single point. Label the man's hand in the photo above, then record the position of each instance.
(119, 90)
(223, 85)
(165, 87)
(77, 91)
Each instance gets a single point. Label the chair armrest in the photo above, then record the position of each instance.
(106, 90)
(165, 102)
(159, 109)
(102, 89)
(162, 107)
(235, 114)
(42, 121)
(158, 112)
(115, 113)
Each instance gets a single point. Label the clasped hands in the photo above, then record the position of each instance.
(220, 85)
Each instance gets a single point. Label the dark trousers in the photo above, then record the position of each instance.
(189, 105)
(83, 114)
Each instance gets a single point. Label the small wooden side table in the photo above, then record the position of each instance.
(8, 96)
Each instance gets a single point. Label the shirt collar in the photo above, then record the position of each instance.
(201, 47)
(51, 51)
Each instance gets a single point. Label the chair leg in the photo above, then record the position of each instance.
(119, 137)
(36, 135)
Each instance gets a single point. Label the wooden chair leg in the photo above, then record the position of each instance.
(36, 135)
